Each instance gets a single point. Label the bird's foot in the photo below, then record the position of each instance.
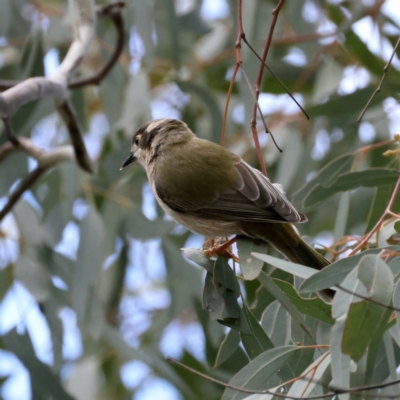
(223, 249)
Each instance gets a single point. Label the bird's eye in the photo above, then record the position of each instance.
(136, 141)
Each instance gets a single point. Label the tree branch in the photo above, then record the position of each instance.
(114, 12)
(23, 186)
(69, 117)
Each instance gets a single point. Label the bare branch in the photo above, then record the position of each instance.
(114, 12)
(55, 86)
(23, 186)
(70, 119)
(6, 149)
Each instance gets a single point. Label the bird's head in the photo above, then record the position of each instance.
(154, 138)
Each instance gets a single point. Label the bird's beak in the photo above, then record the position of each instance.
(128, 161)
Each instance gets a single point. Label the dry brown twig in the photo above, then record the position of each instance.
(56, 86)
(256, 92)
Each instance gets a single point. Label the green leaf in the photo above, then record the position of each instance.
(241, 324)
(361, 323)
(44, 383)
(90, 259)
(397, 226)
(258, 341)
(143, 22)
(33, 276)
(372, 279)
(297, 319)
(256, 374)
(275, 323)
(224, 278)
(340, 363)
(6, 280)
(378, 206)
(377, 277)
(359, 49)
(287, 266)
(210, 103)
(184, 279)
(249, 265)
(336, 272)
(371, 177)
(28, 223)
(221, 306)
(13, 167)
(315, 308)
(310, 377)
(228, 347)
(339, 106)
(326, 175)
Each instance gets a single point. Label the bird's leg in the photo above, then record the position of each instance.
(222, 249)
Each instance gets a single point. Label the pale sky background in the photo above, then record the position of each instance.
(19, 307)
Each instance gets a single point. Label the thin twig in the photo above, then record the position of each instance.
(334, 390)
(239, 61)
(276, 77)
(243, 390)
(23, 186)
(365, 240)
(360, 296)
(267, 130)
(69, 117)
(378, 89)
(253, 123)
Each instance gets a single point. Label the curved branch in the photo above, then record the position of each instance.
(69, 117)
(23, 186)
(114, 12)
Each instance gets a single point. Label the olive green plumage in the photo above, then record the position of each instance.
(213, 192)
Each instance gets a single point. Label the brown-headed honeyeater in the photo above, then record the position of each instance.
(212, 191)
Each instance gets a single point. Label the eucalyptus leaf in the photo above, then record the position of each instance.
(250, 265)
(228, 347)
(89, 261)
(372, 177)
(255, 375)
(44, 382)
(294, 269)
(258, 341)
(336, 272)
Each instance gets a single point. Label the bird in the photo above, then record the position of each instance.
(213, 192)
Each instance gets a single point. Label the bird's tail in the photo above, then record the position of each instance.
(284, 238)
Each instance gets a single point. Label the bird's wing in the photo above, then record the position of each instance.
(252, 198)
